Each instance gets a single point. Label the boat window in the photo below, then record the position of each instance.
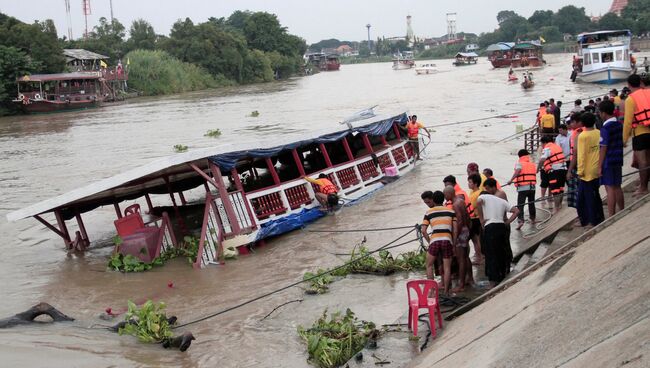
(254, 175)
(607, 57)
(391, 136)
(595, 57)
(357, 146)
(286, 166)
(587, 58)
(619, 55)
(312, 158)
(626, 55)
(337, 152)
(30, 87)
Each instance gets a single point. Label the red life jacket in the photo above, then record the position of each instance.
(641, 99)
(528, 173)
(326, 187)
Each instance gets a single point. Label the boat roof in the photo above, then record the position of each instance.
(525, 45)
(150, 178)
(621, 32)
(82, 54)
(466, 54)
(500, 46)
(59, 77)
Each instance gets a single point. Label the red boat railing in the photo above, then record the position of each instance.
(212, 234)
(297, 196)
(399, 155)
(348, 177)
(367, 170)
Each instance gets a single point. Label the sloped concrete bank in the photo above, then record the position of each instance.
(586, 304)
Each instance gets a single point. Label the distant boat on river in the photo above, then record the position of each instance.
(403, 60)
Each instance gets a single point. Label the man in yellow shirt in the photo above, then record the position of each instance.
(635, 103)
(547, 122)
(589, 204)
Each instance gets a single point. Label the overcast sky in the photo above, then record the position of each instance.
(312, 20)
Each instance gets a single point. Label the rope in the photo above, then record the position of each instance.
(237, 306)
(499, 116)
(361, 230)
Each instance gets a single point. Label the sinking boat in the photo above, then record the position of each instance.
(249, 192)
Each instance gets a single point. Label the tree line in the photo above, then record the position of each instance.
(571, 20)
(245, 47)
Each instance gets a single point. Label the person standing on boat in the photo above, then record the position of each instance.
(413, 127)
(327, 194)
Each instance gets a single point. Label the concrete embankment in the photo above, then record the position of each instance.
(587, 304)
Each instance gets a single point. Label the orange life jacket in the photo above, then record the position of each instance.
(326, 187)
(412, 129)
(528, 173)
(641, 99)
(541, 112)
(459, 192)
(557, 156)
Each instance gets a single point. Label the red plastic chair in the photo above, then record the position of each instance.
(128, 225)
(421, 288)
(132, 209)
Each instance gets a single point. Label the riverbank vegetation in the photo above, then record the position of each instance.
(362, 262)
(246, 47)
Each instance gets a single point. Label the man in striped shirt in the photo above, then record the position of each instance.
(443, 234)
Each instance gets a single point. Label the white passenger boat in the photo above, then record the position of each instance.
(403, 60)
(603, 57)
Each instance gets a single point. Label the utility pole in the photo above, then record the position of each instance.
(86, 9)
(111, 2)
(369, 50)
(69, 18)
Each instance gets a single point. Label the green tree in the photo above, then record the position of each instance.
(13, 63)
(107, 38)
(141, 36)
(541, 18)
(572, 20)
(38, 41)
(637, 13)
(504, 15)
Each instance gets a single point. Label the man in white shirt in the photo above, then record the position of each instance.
(492, 212)
(562, 140)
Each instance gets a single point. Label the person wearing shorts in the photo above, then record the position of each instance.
(456, 203)
(611, 157)
(441, 221)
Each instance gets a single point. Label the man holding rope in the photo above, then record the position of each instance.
(413, 127)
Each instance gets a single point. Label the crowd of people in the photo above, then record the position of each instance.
(579, 152)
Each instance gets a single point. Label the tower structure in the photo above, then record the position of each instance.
(410, 37)
(111, 3)
(69, 18)
(85, 5)
(451, 26)
(368, 26)
(618, 6)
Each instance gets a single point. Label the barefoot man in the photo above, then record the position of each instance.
(461, 248)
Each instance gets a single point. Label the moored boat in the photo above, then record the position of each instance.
(41, 93)
(324, 62)
(403, 60)
(603, 57)
(248, 192)
(465, 58)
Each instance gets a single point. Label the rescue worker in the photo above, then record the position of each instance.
(636, 124)
(413, 127)
(327, 194)
(474, 183)
(450, 180)
(553, 163)
(525, 178)
(489, 174)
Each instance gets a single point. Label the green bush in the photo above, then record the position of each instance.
(158, 73)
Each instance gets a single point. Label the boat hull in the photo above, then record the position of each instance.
(402, 66)
(43, 106)
(609, 75)
(501, 63)
(425, 71)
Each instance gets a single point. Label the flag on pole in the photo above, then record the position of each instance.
(541, 39)
(103, 64)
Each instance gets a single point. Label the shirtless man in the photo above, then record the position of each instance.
(461, 249)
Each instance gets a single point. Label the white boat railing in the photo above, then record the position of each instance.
(296, 194)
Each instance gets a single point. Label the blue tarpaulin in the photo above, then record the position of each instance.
(288, 223)
(227, 161)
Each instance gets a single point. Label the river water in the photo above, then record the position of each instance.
(47, 155)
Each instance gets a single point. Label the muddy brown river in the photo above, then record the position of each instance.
(47, 155)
